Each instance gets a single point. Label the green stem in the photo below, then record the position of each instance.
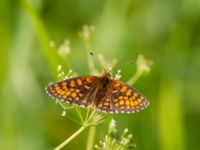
(43, 36)
(74, 120)
(91, 137)
(87, 114)
(70, 138)
(132, 80)
(91, 116)
(61, 104)
(79, 114)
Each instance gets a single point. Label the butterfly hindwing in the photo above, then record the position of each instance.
(105, 104)
(74, 91)
(126, 99)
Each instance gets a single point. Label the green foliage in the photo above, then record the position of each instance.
(33, 43)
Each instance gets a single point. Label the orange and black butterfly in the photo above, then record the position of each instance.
(102, 93)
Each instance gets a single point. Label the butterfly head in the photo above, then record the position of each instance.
(106, 74)
(105, 78)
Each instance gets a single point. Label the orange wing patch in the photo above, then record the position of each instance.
(127, 99)
(75, 90)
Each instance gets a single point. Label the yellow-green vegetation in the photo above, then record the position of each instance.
(38, 36)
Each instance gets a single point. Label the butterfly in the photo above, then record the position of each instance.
(102, 93)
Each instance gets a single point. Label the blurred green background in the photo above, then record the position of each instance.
(167, 32)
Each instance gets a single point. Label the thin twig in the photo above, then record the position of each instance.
(135, 77)
(70, 138)
(79, 114)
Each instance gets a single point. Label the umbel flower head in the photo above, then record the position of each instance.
(64, 49)
(143, 65)
(111, 142)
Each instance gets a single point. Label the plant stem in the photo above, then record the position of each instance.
(70, 138)
(43, 36)
(79, 114)
(136, 76)
(91, 137)
(91, 116)
(61, 104)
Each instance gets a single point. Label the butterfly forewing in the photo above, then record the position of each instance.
(126, 99)
(77, 91)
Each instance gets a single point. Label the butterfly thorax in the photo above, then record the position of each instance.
(105, 82)
(105, 79)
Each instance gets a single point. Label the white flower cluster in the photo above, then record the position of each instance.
(61, 74)
(143, 65)
(118, 75)
(86, 32)
(64, 49)
(112, 143)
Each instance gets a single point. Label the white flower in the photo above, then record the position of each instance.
(63, 113)
(64, 49)
(143, 65)
(86, 32)
(59, 67)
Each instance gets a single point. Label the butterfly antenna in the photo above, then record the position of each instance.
(119, 67)
(127, 63)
